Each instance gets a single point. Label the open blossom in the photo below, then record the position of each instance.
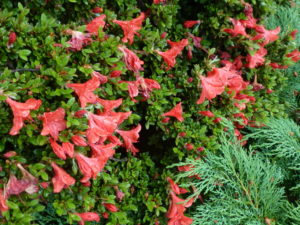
(267, 35)
(93, 26)
(213, 85)
(62, 151)
(89, 167)
(170, 55)
(175, 112)
(78, 40)
(21, 112)
(130, 137)
(238, 29)
(53, 123)
(109, 105)
(100, 126)
(85, 91)
(257, 59)
(133, 62)
(190, 23)
(88, 216)
(61, 179)
(131, 27)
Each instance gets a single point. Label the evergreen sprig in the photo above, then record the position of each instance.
(241, 187)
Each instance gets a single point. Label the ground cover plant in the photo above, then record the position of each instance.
(99, 97)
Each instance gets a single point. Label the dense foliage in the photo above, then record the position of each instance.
(98, 97)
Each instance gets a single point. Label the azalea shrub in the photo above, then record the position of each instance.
(99, 97)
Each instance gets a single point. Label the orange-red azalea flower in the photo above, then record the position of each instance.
(130, 137)
(53, 123)
(62, 179)
(85, 91)
(131, 27)
(175, 112)
(93, 26)
(21, 112)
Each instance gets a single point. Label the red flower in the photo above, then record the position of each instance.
(238, 29)
(89, 167)
(144, 86)
(116, 73)
(45, 184)
(21, 112)
(105, 215)
(175, 112)
(10, 154)
(120, 195)
(78, 40)
(207, 113)
(62, 179)
(184, 168)
(53, 123)
(182, 134)
(111, 207)
(100, 127)
(176, 211)
(159, 1)
(175, 188)
(80, 113)
(28, 183)
(85, 91)
(95, 24)
(170, 55)
(277, 66)
(88, 216)
(109, 105)
(267, 35)
(103, 151)
(191, 23)
(163, 35)
(196, 40)
(102, 78)
(214, 84)
(97, 10)
(62, 151)
(3, 205)
(131, 27)
(217, 120)
(11, 39)
(189, 146)
(293, 34)
(130, 137)
(133, 62)
(294, 55)
(257, 59)
(79, 141)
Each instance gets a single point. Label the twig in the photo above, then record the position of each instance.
(119, 160)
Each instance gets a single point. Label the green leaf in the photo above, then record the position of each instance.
(24, 53)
